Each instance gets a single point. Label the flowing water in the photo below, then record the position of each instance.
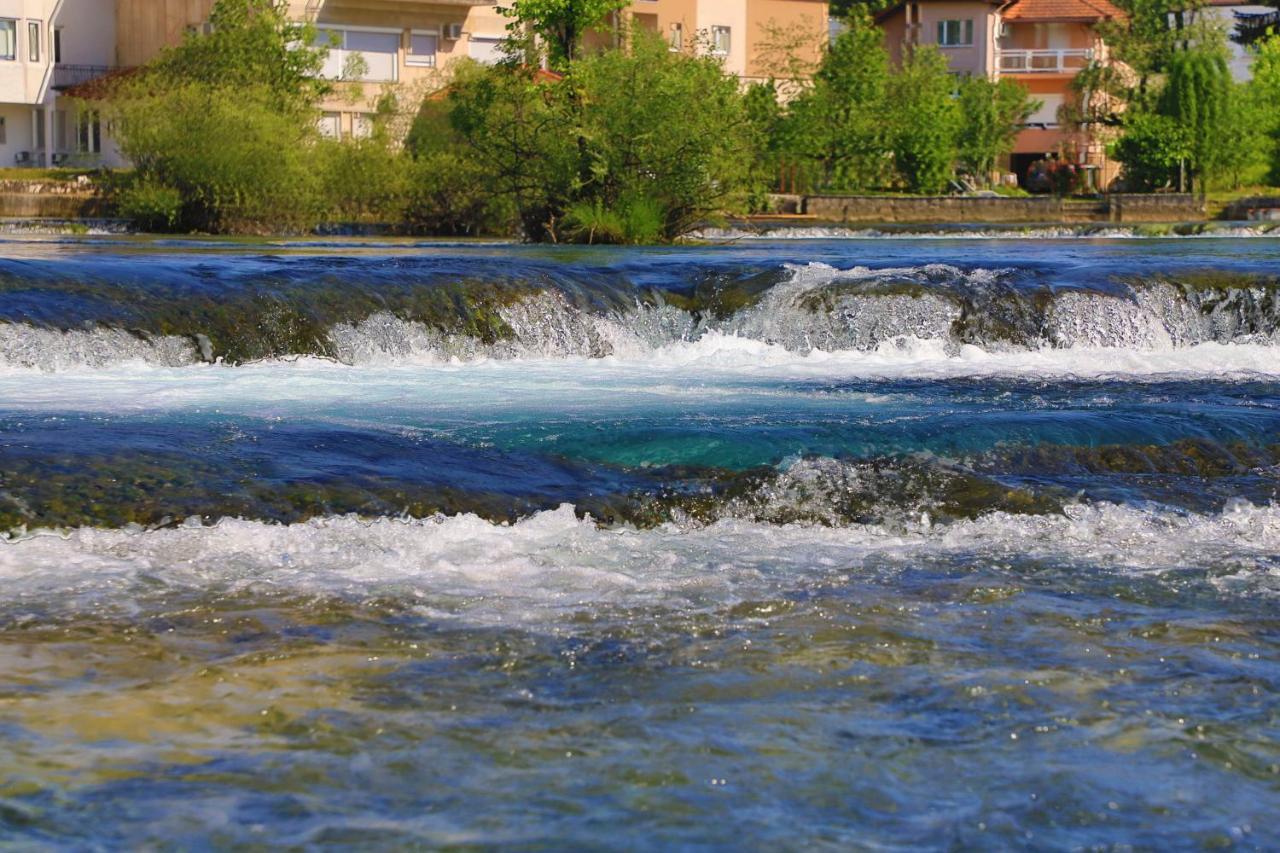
(884, 543)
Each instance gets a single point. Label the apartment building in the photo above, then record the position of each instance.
(1042, 44)
(753, 37)
(407, 44)
(45, 47)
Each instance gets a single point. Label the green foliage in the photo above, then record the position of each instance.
(237, 161)
(623, 133)
(658, 127)
(926, 122)
(839, 126)
(631, 220)
(449, 193)
(1196, 96)
(560, 24)
(150, 206)
(1151, 148)
(362, 180)
(1263, 98)
(991, 113)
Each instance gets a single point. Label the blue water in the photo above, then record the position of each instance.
(891, 543)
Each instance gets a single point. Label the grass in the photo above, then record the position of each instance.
(1216, 201)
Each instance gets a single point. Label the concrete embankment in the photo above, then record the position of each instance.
(1116, 207)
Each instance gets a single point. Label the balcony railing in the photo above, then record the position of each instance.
(1065, 61)
(66, 76)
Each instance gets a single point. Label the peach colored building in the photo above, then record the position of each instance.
(407, 45)
(757, 39)
(1042, 44)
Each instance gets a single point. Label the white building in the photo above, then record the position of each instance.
(45, 46)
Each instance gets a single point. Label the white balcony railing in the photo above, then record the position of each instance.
(1065, 61)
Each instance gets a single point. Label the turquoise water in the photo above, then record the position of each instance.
(874, 543)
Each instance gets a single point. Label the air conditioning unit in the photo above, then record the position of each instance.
(453, 32)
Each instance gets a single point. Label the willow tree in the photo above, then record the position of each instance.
(1197, 97)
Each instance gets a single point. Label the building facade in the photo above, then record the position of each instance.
(45, 47)
(1042, 44)
(405, 46)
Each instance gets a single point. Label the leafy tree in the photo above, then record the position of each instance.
(1263, 96)
(237, 161)
(991, 112)
(513, 124)
(840, 123)
(560, 23)
(1196, 96)
(926, 120)
(1152, 149)
(665, 131)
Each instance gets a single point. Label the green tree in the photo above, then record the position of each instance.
(925, 120)
(665, 131)
(1197, 96)
(991, 113)
(1152, 148)
(840, 124)
(225, 122)
(561, 24)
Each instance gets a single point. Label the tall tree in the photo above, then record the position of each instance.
(991, 113)
(1197, 96)
(561, 24)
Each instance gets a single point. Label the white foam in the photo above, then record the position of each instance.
(553, 565)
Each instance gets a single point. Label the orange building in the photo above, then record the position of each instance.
(1042, 44)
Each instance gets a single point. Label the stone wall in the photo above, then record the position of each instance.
(21, 205)
(998, 209)
(1156, 207)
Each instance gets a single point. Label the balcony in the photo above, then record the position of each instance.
(70, 76)
(1063, 61)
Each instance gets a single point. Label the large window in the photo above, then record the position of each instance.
(33, 41)
(955, 33)
(8, 39)
(485, 49)
(720, 41)
(370, 56)
(422, 49)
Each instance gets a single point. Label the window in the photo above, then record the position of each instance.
(677, 36)
(720, 41)
(955, 33)
(57, 45)
(370, 56)
(485, 49)
(361, 125)
(331, 125)
(88, 133)
(422, 49)
(8, 39)
(3, 135)
(33, 41)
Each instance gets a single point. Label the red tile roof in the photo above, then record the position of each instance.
(1061, 10)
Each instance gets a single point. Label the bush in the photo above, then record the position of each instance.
(363, 180)
(150, 206)
(238, 163)
(632, 220)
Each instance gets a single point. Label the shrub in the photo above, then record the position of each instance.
(238, 162)
(150, 206)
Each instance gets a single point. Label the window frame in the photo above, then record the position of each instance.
(420, 60)
(12, 22)
(33, 41)
(716, 31)
(964, 32)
